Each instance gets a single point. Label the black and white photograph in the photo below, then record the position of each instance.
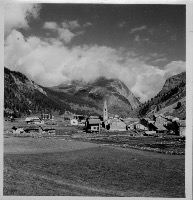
(95, 100)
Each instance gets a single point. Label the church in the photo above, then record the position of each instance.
(112, 124)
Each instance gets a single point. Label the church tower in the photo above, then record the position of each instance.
(105, 112)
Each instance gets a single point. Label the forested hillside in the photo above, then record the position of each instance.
(173, 91)
(23, 96)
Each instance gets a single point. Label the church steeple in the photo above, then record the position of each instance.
(105, 112)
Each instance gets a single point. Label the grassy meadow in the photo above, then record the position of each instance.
(67, 167)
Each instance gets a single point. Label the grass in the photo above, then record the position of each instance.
(70, 165)
(66, 168)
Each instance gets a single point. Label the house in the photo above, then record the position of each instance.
(169, 118)
(159, 118)
(17, 130)
(48, 130)
(141, 127)
(175, 119)
(158, 127)
(93, 124)
(34, 120)
(181, 130)
(32, 129)
(45, 116)
(149, 133)
(117, 125)
(132, 125)
(77, 120)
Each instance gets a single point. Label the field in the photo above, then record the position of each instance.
(68, 167)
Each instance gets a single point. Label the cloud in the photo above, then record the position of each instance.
(65, 35)
(137, 29)
(87, 24)
(138, 39)
(159, 60)
(74, 24)
(18, 15)
(50, 63)
(71, 24)
(156, 55)
(173, 68)
(120, 25)
(67, 30)
(50, 25)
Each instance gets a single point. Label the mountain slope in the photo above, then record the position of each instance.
(119, 98)
(22, 95)
(170, 100)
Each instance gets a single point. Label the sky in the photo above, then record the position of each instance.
(142, 45)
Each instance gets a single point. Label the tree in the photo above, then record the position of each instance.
(179, 104)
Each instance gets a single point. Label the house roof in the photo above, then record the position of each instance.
(181, 123)
(151, 122)
(150, 132)
(31, 119)
(94, 121)
(94, 117)
(169, 117)
(48, 128)
(158, 115)
(159, 126)
(147, 119)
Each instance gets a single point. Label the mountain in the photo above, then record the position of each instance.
(174, 81)
(119, 98)
(23, 96)
(171, 100)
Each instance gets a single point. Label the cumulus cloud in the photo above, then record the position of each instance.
(65, 35)
(137, 29)
(64, 30)
(18, 15)
(50, 63)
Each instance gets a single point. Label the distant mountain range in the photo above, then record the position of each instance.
(23, 96)
(120, 99)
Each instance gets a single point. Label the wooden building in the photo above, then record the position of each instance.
(93, 124)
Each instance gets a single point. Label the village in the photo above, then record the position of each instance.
(166, 131)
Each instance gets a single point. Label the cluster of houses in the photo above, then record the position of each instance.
(158, 124)
(33, 130)
(98, 124)
(35, 126)
(39, 120)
